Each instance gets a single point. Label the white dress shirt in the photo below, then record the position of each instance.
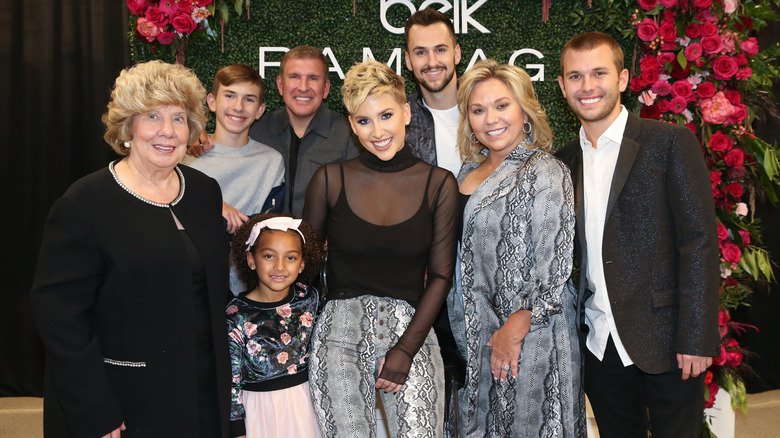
(598, 167)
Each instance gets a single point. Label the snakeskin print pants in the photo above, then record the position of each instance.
(349, 341)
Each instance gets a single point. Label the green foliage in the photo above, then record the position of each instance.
(325, 23)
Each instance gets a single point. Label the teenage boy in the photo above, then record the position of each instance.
(250, 174)
(647, 249)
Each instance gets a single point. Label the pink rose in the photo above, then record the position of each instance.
(166, 38)
(731, 252)
(720, 142)
(137, 7)
(684, 89)
(661, 88)
(156, 16)
(717, 109)
(744, 74)
(702, 4)
(647, 30)
(711, 44)
(663, 105)
(723, 233)
(231, 309)
(202, 3)
(252, 347)
(286, 338)
(307, 319)
(647, 97)
(666, 57)
(749, 46)
(250, 329)
(693, 52)
(741, 209)
(282, 357)
(734, 158)
(739, 114)
(745, 235)
(183, 23)
(678, 104)
(292, 369)
(668, 32)
(705, 90)
(729, 6)
(647, 4)
(284, 311)
(147, 29)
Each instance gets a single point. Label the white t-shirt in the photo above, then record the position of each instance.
(445, 124)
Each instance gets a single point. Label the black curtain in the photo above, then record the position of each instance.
(59, 60)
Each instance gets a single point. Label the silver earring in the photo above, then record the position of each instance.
(527, 127)
(128, 144)
(473, 140)
(252, 268)
(406, 123)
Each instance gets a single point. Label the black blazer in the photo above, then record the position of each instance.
(660, 249)
(113, 301)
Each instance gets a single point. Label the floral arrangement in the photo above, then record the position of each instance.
(171, 22)
(700, 66)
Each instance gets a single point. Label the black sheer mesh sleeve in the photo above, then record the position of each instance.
(315, 209)
(443, 199)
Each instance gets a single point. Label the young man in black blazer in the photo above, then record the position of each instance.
(648, 253)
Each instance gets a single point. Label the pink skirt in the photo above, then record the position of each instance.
(286, 413)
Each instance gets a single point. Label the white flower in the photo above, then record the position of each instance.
(742, 209)
(729, 6)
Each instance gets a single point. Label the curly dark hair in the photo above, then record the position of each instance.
(313, 251)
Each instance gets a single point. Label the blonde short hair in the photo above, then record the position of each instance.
(144, 87)
(371, 78)
(519, 84)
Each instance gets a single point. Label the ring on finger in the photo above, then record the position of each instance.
(505, 367)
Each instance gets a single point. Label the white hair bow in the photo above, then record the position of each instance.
(280, 223)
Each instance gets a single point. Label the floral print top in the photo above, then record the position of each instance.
(269, 343)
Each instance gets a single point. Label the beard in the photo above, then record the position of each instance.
(434, 86)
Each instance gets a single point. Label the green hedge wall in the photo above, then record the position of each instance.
(513, 25)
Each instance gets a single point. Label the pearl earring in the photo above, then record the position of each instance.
(128, 144)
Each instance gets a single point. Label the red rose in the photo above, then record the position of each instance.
(708, 29)
(715, 176)
(741, 59)
(712, 390)
(745, 22)
(724, 67)
(720, 142)
(668, 32)
(668, 3)
(682, 88)
(203, 3)
(745, 235)
(731, 252)
(692, 127)
(650, 76)
(708, 378)
(637, 84)
(693, 31)
(166, 38)
(732, 95)
(186, 7)
(739, 114)
(679, 72)
(749, 46)
(661, 88)
(734, 158)
(744, 74)
(650, 112)
(666, 57)
(678, 104)
(733, 358)
(711, 44)
(693, 52)
(183, 23)
(705, 90)
(723, 233)
(735, 189)
(649, 61)
(155, 15)
(736, 172)
(137, 7)
(702, 4)
(647, 4)
(663, 105)
(647, 30)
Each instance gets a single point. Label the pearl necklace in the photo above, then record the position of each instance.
(141, 198)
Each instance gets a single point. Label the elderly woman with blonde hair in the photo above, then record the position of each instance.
(131, 284)
(389, 219)
(512, 309)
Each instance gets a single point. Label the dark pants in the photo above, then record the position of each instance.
(628, 402)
